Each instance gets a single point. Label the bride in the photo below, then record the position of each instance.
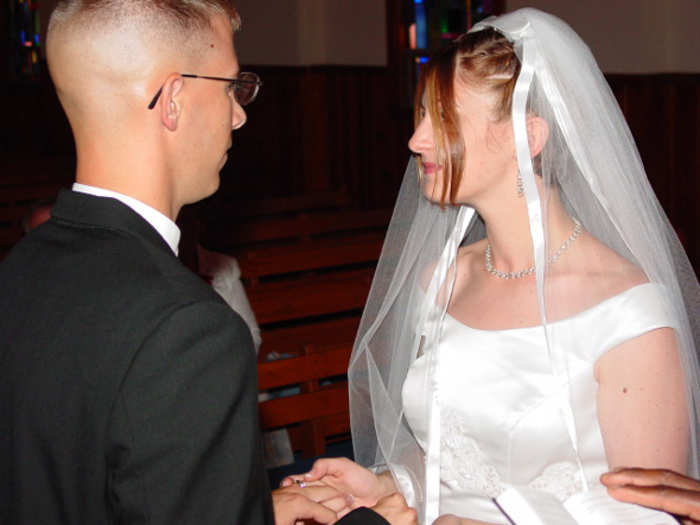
(533, 318)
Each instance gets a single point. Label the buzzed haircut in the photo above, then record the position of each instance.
(187, 14)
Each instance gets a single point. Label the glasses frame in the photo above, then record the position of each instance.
(256, 81)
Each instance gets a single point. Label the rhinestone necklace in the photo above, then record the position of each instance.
(551, 260)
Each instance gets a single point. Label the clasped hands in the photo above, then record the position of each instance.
(334, 487)
(337, 486)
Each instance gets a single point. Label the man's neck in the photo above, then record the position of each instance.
(129, 167)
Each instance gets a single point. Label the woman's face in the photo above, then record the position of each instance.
(489, 154)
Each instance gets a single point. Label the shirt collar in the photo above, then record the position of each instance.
(162, 224)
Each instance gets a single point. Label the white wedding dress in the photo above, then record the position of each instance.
(500, 404)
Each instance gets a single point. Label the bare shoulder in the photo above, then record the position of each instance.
(595, 271)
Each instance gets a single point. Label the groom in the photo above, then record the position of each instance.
(127, 385)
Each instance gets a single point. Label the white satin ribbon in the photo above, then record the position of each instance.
(526, 48)
(427, 323)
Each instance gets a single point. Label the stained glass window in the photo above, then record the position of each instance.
(25, 38)
(433, 23)
(438, 21)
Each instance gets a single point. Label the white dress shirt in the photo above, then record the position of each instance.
(162, 224)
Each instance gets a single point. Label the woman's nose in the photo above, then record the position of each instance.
(422, 139)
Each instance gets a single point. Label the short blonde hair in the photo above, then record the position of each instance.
(188, 15)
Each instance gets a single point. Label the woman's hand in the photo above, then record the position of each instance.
(657, 488)
(365, 487)
(320, 503)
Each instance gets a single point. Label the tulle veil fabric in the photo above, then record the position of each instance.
(592, 164)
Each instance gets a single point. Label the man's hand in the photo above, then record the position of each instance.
(393, 509)
(657, 488)
(365, 487)
(319, 503)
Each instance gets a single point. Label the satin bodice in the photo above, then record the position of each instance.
(500, 403)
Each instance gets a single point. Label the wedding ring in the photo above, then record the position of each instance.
(300, 482)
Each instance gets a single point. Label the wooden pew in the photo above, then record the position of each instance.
(319, 410)
(291, 340)
(307, 274)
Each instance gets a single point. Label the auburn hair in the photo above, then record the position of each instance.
(484, 58)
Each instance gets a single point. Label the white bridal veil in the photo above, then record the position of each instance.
(592, 164)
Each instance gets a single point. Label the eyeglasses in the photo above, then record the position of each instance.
(244, 87)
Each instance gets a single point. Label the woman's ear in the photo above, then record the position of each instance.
(537, 134)
(171, 101)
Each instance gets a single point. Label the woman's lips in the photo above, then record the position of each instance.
(430, 167)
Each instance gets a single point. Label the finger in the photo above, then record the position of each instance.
(319, 513)
(337, 503)
(343, 512)
(286, 482)
(296, 481)
(325, 467)
(291, 507)
(632, 476)
(649, 477)
(673, 500)
(318, 492)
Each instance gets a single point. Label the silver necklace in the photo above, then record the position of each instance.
(551, 260)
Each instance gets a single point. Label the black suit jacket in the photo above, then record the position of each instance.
(127, 386)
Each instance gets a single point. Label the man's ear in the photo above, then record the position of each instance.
(171, 101)
(537, 134)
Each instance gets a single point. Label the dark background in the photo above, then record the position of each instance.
(345, 129)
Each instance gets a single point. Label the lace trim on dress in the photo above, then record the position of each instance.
(560, 479)
(465, 467)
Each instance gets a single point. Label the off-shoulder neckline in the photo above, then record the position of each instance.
(564, 320)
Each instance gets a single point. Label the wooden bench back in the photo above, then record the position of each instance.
(307, 274)
(307, 268)
(320, 409)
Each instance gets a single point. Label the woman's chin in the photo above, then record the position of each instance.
(431, 191)
(435, 199)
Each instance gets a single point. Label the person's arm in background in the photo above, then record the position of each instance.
(657, 488)
(225, 275)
